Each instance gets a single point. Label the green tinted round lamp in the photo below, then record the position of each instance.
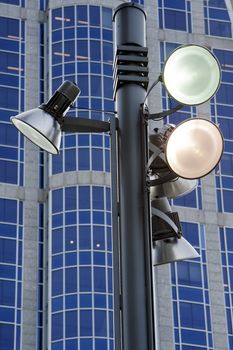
(191, 75)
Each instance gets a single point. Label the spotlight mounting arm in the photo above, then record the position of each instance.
(83, 125)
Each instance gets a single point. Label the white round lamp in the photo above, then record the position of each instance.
(194, 148)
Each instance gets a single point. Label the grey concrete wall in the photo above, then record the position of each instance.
(30, 250)
(29, 194)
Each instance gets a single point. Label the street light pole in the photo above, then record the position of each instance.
(133, 172)
(130, 84)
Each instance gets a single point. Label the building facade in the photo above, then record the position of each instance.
(56, 264)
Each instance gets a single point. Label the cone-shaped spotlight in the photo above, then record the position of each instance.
(191, 74)
(40, 128)
(168, 245)
(194, 148)
(41, 125)
(171, 250)
(174, 188)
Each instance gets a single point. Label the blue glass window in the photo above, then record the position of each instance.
(85, 279)
(84, 237)
(57, 326)
(70, 198)
(99, 279)
(217, 20)
(79, 222)
(8, 210)
(57, 240)
(100, 323)
(85, 300)
(94, 16)
(71, 280)
(190, 294)
(85, 258)
(85, 323)
(7, 292)
(57, 282)
(7, 251)
(57, 201)
(71, 324)
(192, 315)
(88, 47)
(175, 15)
(221, 111)
(6, 336)
(226, 244)
(12, 98)
(84, 197)
(101, 344)
(70, 238)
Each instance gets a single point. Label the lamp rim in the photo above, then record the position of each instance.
(185, 121)
(181, 47)
(47, 139)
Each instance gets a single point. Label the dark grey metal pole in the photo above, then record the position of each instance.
(130, 90)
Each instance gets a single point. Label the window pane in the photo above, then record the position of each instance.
(85, 323)
(57, 326)
(71, 324)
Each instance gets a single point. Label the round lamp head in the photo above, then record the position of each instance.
(41, 128)
(194, 148)
(191, 74)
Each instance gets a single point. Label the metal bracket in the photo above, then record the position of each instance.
(161, 115)
(166, 225)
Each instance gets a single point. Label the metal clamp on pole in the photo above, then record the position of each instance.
(130, 66)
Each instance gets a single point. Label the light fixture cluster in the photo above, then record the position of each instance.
(184, 153)
(179, 155)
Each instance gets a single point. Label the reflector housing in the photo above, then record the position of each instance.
(191, 74)
(171, 250)
(40, 128)
(194, 148)
(173, 189)
(42, 125)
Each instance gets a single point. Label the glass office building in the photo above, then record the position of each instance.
(56, 264)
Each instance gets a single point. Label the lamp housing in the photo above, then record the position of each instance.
(191, 150)
(168, 243)
(191, 74)
(194, 148)
(42, 125)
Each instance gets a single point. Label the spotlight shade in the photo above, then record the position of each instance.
(173, 189)
(41, 128)
(191, 74)
(194, 148)
(42, 125)
(171, 250)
